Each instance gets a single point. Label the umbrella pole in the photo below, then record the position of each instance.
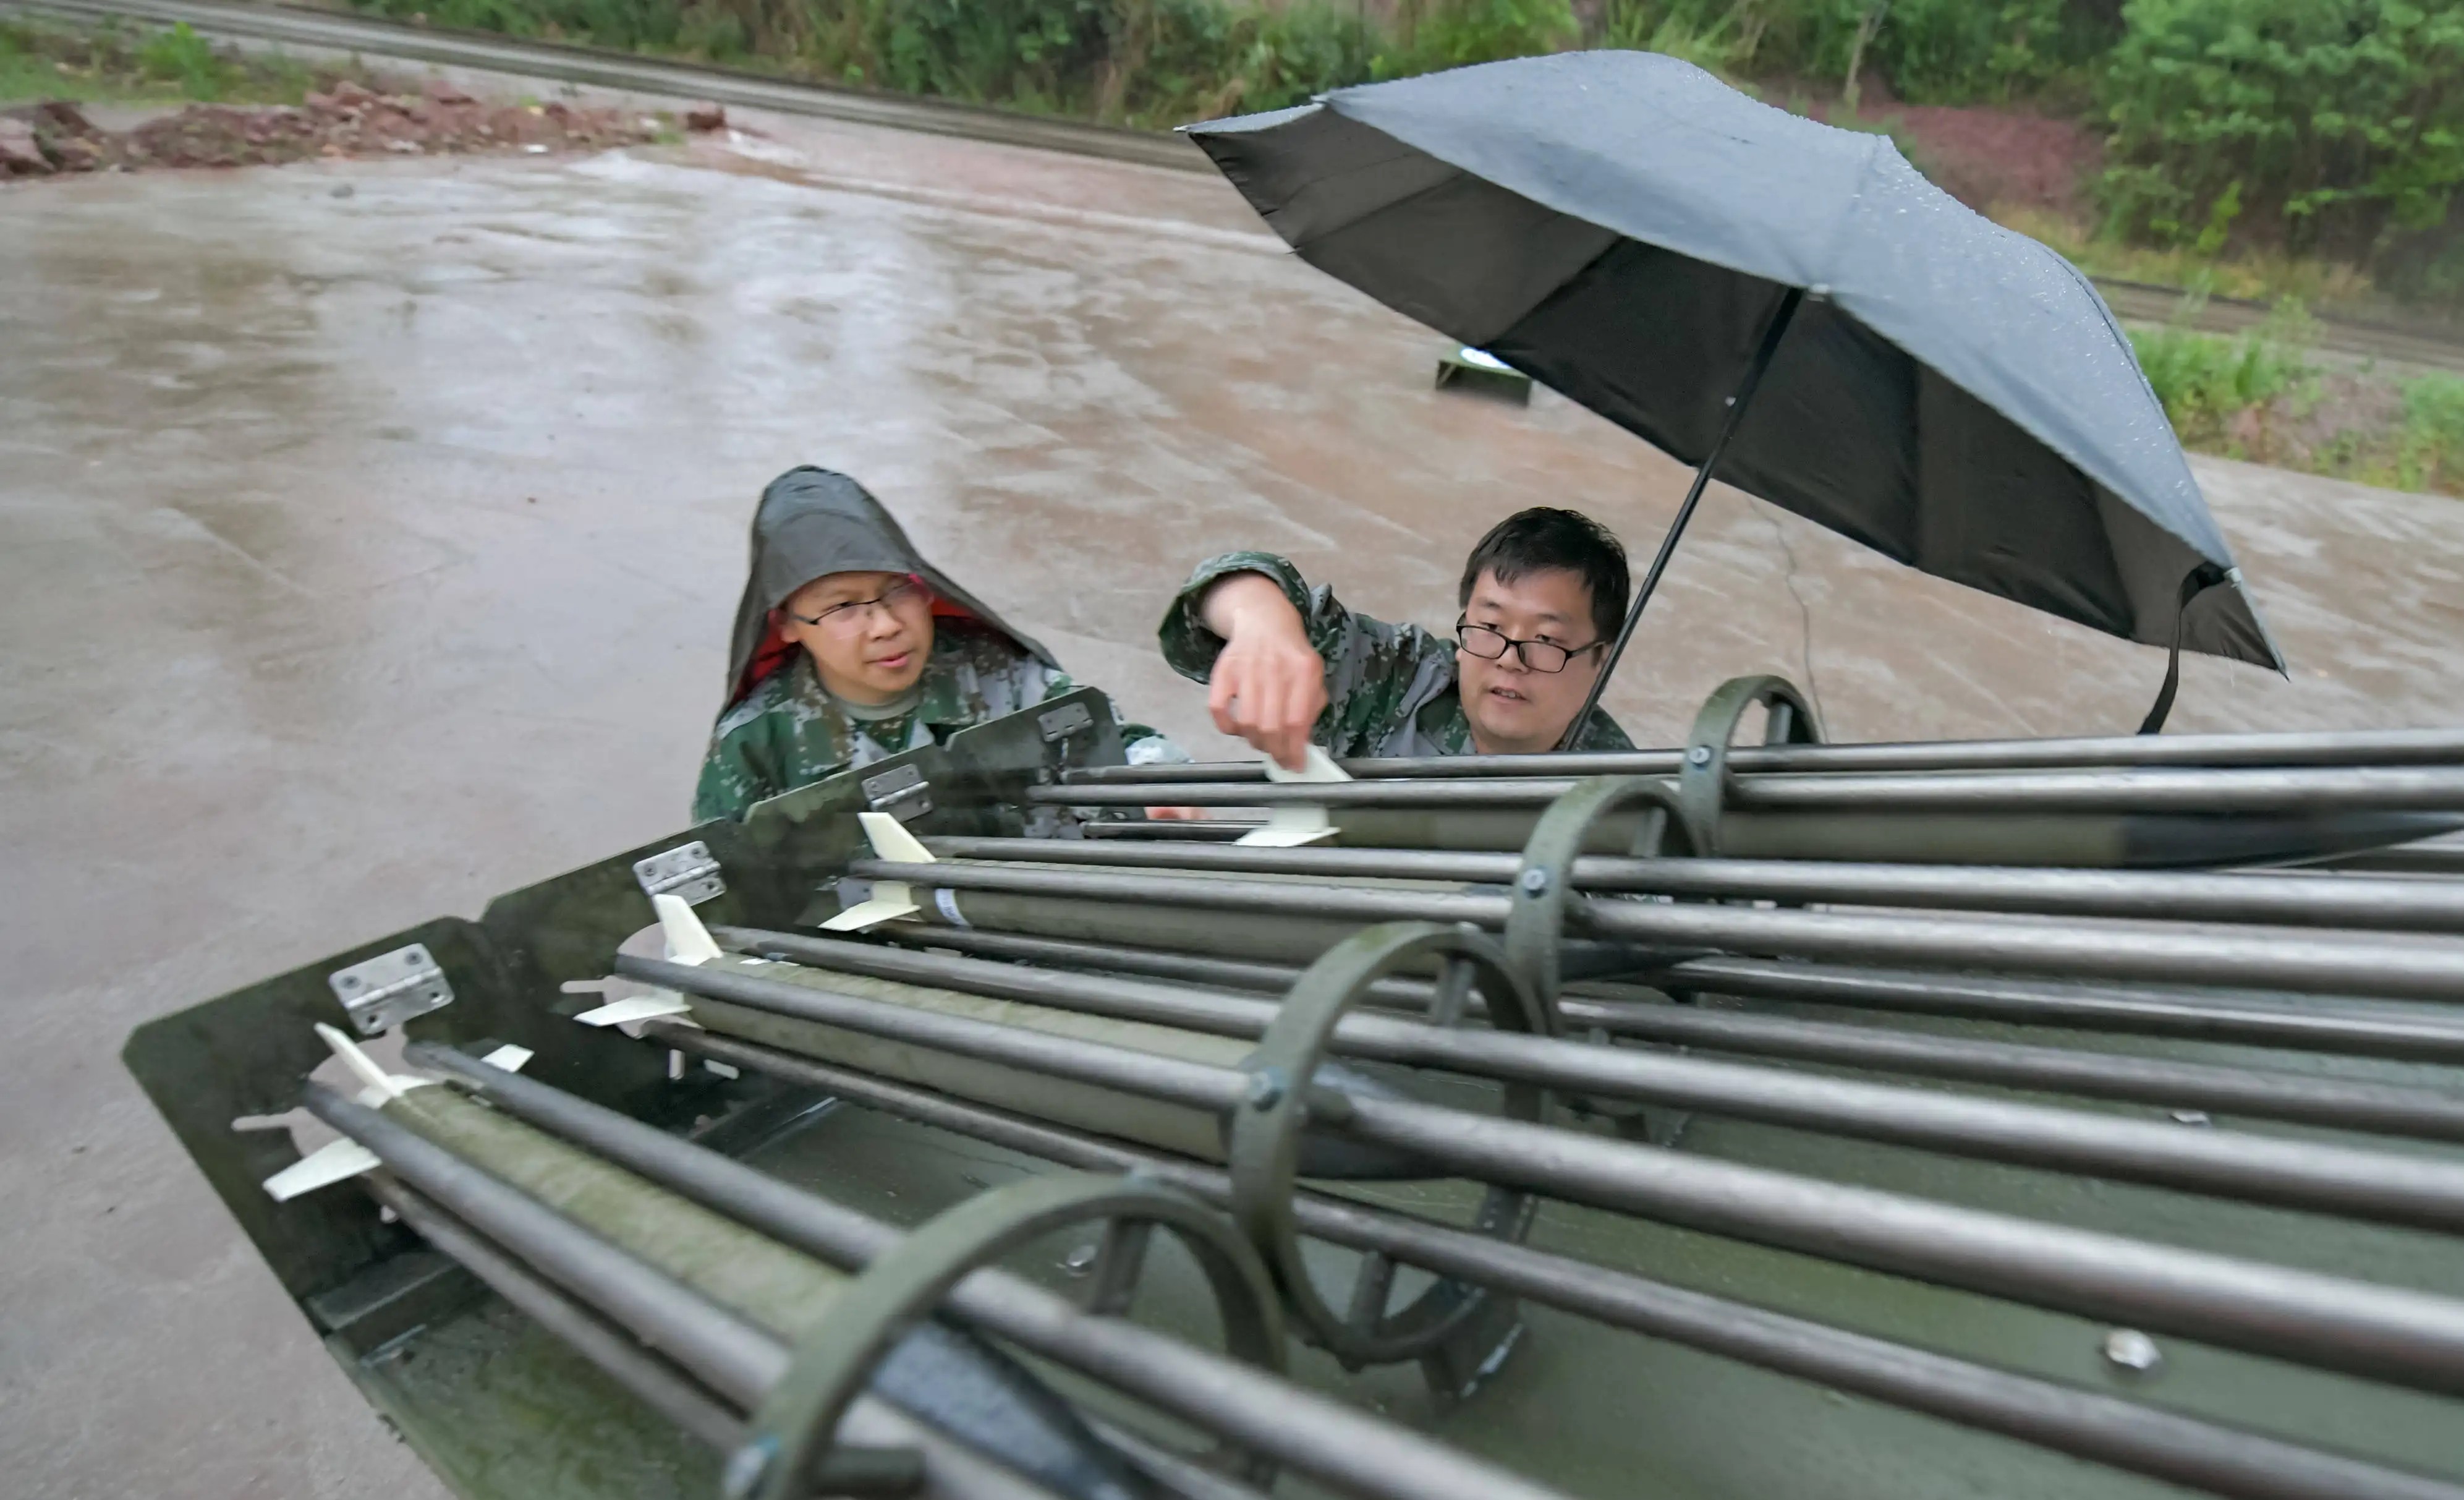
(1772, 332)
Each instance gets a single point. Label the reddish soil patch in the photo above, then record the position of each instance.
(1989, 157)
(2340, 418)
(1985, 158)
(55, 136)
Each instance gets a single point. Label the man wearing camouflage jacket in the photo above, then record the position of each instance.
(850, 646)
(1541, 597)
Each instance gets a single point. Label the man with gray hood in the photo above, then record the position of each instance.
(850, 646)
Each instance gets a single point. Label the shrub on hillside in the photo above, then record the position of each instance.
(2340, 120)
(1928, 51)
(2432, 453)
(2204, 380)
(1148, 62)
(1454, 33)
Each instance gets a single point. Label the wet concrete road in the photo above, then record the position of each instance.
(361, 556)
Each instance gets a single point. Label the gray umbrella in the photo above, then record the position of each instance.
(1631, 231)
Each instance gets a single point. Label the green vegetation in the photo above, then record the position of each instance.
(2261, 397)
(1928, 51)
(2254, 273)
(121, 63)
(2308, 146)
(2206, 381)
(2430, 448)
(1150, 64)
(1454, 33)
(2329, 125)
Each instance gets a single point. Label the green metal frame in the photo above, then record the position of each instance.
(792, 1435)
(1267, 1138)
(366, 1287)
(1584, 1407)
(1703, 783)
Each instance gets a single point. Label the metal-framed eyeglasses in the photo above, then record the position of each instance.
(1489, 644)
(853, 614)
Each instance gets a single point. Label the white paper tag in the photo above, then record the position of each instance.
(1295, 824)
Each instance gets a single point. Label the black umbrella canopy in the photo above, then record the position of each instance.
(1624, 228)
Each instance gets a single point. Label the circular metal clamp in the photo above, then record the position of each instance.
(791, 1437)
(1535, 922)
(1702, 781)
(1266, 1135)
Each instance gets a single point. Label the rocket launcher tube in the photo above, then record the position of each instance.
(2124, 1434)
(2383, 1333)
(766, 1295)
(1311, 1433)
(2402, 967)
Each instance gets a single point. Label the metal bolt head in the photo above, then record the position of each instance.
(1534, 881)
(2132, 1350)
(1265, 1088)
(1700, 755)
(746, 1468)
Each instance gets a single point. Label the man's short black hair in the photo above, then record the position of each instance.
(1544, 538)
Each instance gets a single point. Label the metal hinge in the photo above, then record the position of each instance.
(382, 992)
(1063, 721)
(902, 793)
(688, 870)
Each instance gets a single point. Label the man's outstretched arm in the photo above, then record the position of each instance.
(1268, 682)
(1305, 667)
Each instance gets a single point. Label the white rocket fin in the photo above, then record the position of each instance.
(688, 941)
(335, 1161)
(891, 899)
(891, 840)
(649, 1005)
(381, 1084)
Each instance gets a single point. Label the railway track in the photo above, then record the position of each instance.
(2344, 339)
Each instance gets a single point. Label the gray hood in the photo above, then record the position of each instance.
(811, 522)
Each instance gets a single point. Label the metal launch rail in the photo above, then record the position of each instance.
(1721, 1121)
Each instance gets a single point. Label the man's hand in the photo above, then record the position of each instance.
(1268, 685)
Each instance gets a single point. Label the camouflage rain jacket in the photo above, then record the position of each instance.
(1389, 688)
(781, 729)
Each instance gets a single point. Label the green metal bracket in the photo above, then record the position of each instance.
(972, 784)
(1702, 781)
(1266, 1136)
(1535, 924)
(789, 1451)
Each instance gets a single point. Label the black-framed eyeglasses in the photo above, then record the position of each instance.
(852, 614)
(1489, 645)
